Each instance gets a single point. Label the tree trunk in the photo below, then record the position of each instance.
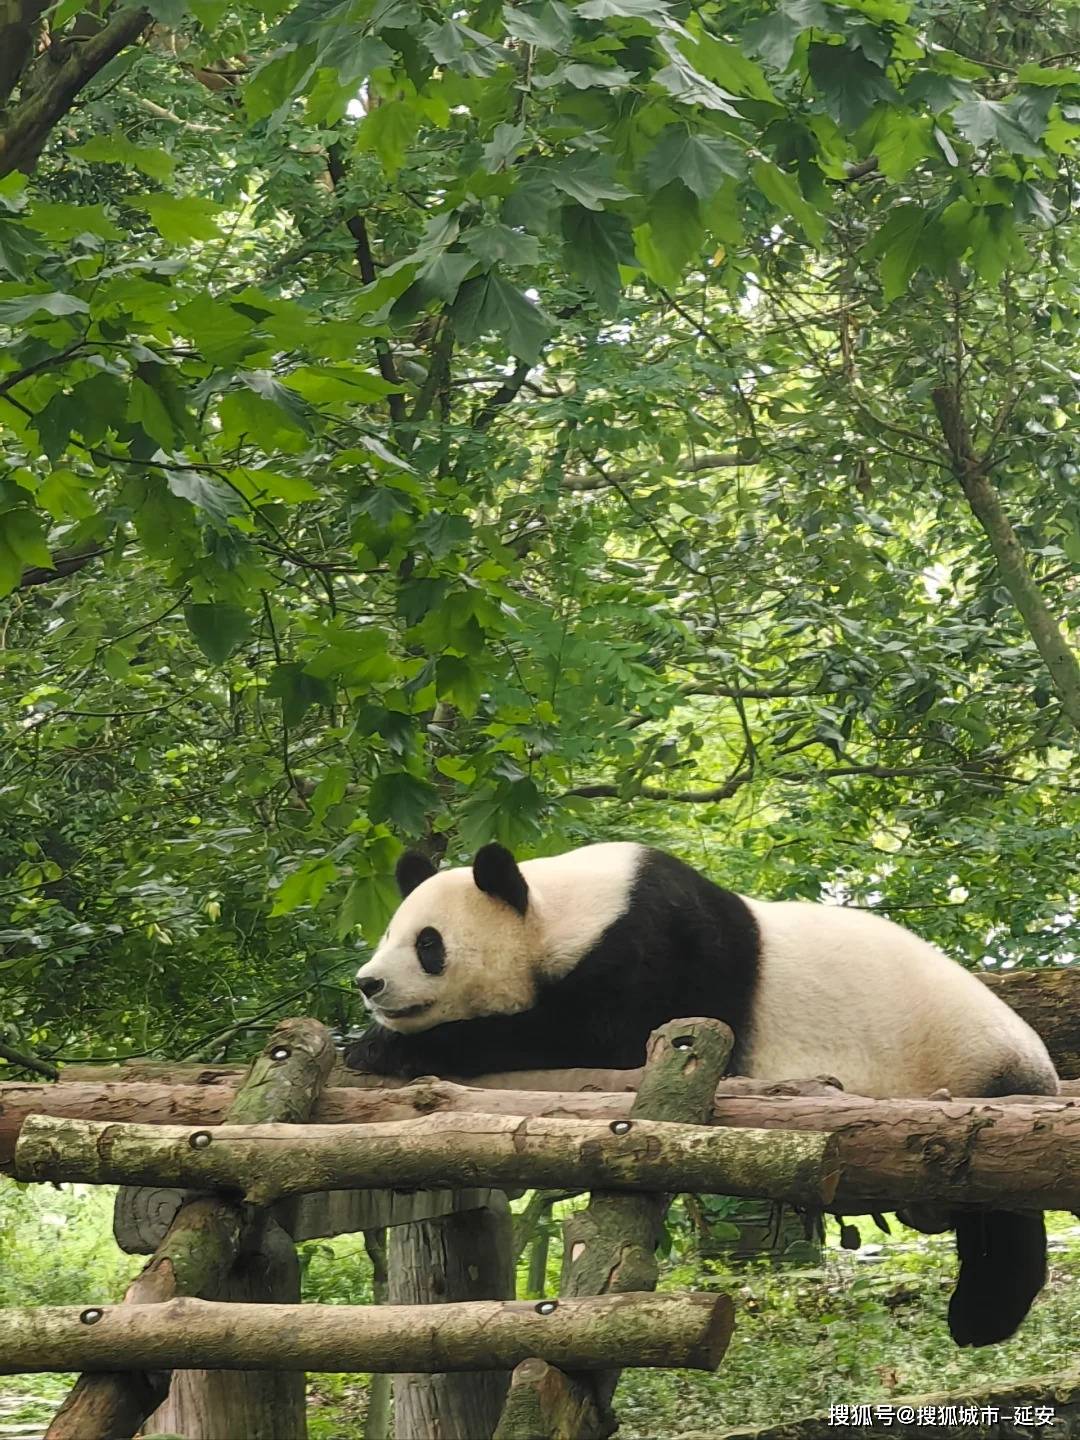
(462, 1257)
(264, 1162)
(380, 1394)
(687, 1331)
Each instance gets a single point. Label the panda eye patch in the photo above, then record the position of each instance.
(430, 950)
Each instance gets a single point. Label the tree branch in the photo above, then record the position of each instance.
(74, 66)
(62, 565)
(1057, 654)
(22, 1061)
(357, 228)
(691, 467)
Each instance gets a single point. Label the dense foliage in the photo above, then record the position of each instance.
(539, 421)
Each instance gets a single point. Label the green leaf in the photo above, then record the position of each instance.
(489, 304)
(683, 83)
(900, 141)
(330, 790)
(596, 245)
(701, 162)
(588, 178)
(459, 682)
(465, 51)
(388, 131)
(117, 150)
(305, 886)
(548, 27)
(401, 799)
(298, 691)
(849, 83)
(369, 903)
(781, 189)
(12, 312)
(899, 242)
(22, 543)
(216, 500)
(276, 82)
(725, 63)
(261, 486)
(19, 251)
(673, 235)
(986, 122)
(773, 38)
(218, 629)
(65, 496)
(498, 243)
(179, 218)
(936, 91)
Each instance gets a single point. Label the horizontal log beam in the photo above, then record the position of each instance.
(689, 1331)
(267, 1162)
(160, 1103)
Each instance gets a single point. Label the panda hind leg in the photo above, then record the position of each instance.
(1002, 1258)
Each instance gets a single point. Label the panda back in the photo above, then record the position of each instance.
(853, 995)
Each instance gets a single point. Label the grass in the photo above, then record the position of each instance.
(863, 1327)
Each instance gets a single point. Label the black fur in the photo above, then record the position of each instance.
(496, 873)
(412, 870)
(683, 947)
(1002, 1258)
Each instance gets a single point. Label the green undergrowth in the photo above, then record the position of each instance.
(864, 1326)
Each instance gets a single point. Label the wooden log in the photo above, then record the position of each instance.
(257, 1404)
(266, 1162)
(170, 1072)
(546, 1404)
(202, 1245)
(994, 1412)
(609, 1248)
(462, 1257)
(143, 1214)
(165, 1103)
(688, 1331)
(199, 1105)
(1049, 1000)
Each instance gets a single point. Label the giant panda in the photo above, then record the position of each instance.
(572, 960)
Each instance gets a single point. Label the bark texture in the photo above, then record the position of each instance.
(203, 1242)
(973, 473)
(154, 1103)
(610, 1247)
(654, 1331)
(263, 1163)
(461, 1257)
(545, 1404)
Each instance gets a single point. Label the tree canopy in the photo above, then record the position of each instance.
(543, 422)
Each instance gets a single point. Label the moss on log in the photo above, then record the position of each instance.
(546, 1404)
(656, 1331)
(610, 1246)
(263, 1163)
(203, 1242)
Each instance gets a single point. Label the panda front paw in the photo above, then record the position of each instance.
(381, 1052)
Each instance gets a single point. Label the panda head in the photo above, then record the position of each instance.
(462, 943)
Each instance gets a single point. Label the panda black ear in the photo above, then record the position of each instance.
(496, 873)
(412, 870)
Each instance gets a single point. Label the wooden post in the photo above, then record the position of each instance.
(200, 1249)
(610, 1247)
(464, 1256)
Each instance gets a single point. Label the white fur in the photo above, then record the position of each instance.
(495, 957)
(840, 992)
(853, 995)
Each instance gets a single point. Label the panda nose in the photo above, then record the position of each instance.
(370, 986)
